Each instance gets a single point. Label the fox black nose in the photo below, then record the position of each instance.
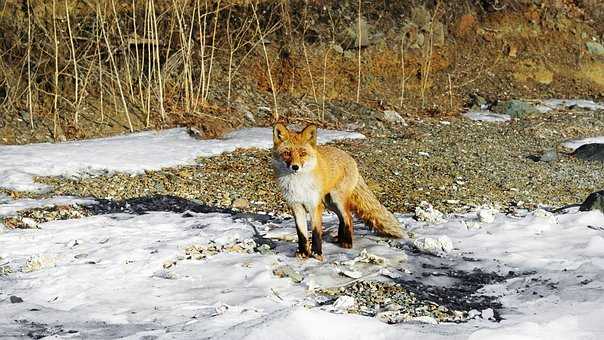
(295, 167)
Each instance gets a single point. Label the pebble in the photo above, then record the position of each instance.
(15, 299)
(486, 215)
(435, 246)
(287, 271)
(425, 212)
(344, 303)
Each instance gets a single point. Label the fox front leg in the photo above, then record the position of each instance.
(302, 230)
(316, 216)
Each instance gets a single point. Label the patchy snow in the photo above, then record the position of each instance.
(127, 276)
(543, 106)
(575, 144)
(10, 207)
(487, 116)
(553, 104)
(130, 153)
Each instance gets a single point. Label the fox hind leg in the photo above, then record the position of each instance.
(340, 207)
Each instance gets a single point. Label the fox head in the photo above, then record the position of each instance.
(294, 152)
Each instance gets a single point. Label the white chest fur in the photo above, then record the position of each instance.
(300, 188)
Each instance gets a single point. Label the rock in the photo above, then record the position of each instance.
(486, 215)
(478, 102)
(15, 299)
(543, 76)
(439, 33)
(466, 23)
(354, 274)
(594, 48)
(550, 155)
(29, 223)
(288, 271)
(488, 314)
(595, 201)
(516, 108)
(421, 17)
(250, 117)
(337, 48)
(425, 212)
(439, 246)
(240, 203)
(590, 152)
(393, 117)
(344, 303)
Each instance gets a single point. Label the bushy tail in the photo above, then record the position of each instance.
(367, 207)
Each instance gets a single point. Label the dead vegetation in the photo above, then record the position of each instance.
(73, 69)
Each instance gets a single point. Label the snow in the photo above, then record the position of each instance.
(487, 116)
(575, 144)
(129, 153)
(127, 276)
(106, 275)
(553, 104)
(9, 207)
(543, 106)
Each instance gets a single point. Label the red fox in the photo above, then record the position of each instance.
(313, 177)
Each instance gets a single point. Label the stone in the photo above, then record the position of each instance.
(344, 303)
(435, 246)
(393, 117)
(594, 48)
(550, 155)
(595, 201)
(288, 271)
(590, 152)
(516, 108)
(486, 215)
(250, 117)
(15, 299)
(543, 76)
(466, 23)
(425, 212)
(240, 203)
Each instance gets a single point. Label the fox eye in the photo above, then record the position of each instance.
(286, 153)
(302, 153)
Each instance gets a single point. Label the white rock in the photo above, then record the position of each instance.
(344, 303)
(388, 273)
(393, 117)
(438, 246)
(355, 274)
(488, 314)
(30, 223)
(486, 215)
(474, 313)
(425, 212)
(471, 225)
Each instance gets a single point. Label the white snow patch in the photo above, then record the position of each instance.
(128, 153)
(487, 116)
(575, 144)
(552, 104)
(10, 207)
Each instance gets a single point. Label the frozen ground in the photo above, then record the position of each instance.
(128, 276)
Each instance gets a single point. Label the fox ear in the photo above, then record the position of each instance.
(280, 133)
(309, 134)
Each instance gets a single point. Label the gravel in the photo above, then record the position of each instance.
(453, 164)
